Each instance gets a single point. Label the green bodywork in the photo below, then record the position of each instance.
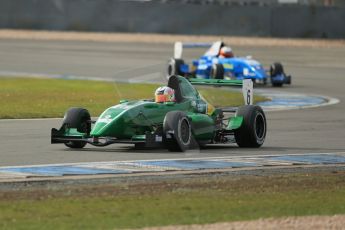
(132, 120)
(235, 123)
(125, 120)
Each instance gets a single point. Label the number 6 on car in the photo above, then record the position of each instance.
(247, 90)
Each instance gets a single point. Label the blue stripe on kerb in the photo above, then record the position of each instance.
(293, 101)
(195, 164)
(311, 159)
(61, 170)
(178, 164)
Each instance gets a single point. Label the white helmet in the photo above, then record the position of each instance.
(226, 52)
(164, 94)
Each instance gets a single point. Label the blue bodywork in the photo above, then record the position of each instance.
(234, 68)
(238, 68)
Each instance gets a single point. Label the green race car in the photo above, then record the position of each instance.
(186, 123)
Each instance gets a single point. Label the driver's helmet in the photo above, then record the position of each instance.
(164, 94)
(226, 52)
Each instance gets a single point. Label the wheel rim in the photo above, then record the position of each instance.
(185, 132)
(260, 127)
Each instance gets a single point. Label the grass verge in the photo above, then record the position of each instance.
(44, 98)
(174, 202)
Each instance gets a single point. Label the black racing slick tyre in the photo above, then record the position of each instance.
(174, 66)
(75, 144)
(177, 131)
(217, 71)
(78, 118)
(276, 69)
(252, 133)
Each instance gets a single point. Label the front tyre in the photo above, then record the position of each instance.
(78, 118)
(75, 144)
(177, 131)
(252, 132)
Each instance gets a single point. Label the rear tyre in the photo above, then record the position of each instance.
(174, 67)
(177, 131)
(217, 71)
(276, 69)
(252, 133)
(78, 118)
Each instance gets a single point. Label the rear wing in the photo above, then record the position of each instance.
(246, 84)
(213, 48)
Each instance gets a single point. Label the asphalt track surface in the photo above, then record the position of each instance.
(318, 71)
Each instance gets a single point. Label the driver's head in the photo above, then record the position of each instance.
(164, 94)
(226, 52)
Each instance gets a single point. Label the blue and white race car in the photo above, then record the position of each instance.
(219, 63)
